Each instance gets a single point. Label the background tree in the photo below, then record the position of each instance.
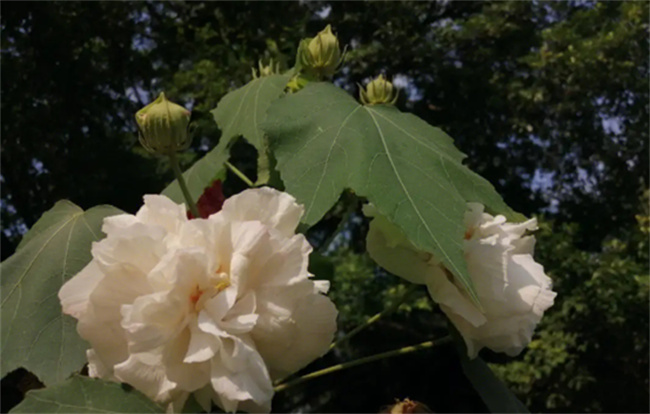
(548, 99)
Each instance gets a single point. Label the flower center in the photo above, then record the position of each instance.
(218, 284)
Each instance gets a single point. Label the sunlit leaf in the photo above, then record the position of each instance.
(241, 112)
(325, 141)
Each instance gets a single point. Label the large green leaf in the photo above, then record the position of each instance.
(86, 395)
(494, 393)
(200, 175)
(35, 334)
(325, 141)
(241, 112)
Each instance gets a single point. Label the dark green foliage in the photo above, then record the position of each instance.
(594, 341)
(546, 89)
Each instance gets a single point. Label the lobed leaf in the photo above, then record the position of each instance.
(35, 334)
(242, 111)
(325, 141)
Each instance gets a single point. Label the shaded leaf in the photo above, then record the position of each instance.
(200, 175)
(86, 395)
(325, 141)
(35, 334)
(192, 406)
(241, 112)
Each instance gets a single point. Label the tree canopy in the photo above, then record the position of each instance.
(549, 100)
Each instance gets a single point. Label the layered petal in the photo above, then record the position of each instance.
(175, 306)
(511, 286)
(271, 207)
(75, 293)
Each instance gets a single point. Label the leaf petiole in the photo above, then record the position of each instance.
(173, 161)
(240, 174)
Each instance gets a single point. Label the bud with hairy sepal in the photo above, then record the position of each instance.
(320, 55)
(379, 91)
(267, 70)
(163, 126)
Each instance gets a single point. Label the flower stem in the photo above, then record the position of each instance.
(376, 317)
(240, 174)
(364, 325)
(361, 361)
(173, 160)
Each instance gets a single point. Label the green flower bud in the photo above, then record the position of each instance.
(320, 55)
(163, 126)
(379, 91)
(267, 70)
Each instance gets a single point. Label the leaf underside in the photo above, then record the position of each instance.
(325, 141)
(86, 395)
(241, 113)
(35, 334)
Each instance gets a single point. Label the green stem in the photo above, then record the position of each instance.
(240, 174)
(364, 325)
(376, 317)
(173, 160)
(361, 361)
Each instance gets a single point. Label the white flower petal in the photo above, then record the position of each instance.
(149, 379)
(170, 305)
(187, 376)
(512, 288)
(241, 318)
(273, 208)
(202, 345)
(251, 383)
(387, 245)
(161, 211)
(96, 367)
(74, 294)
(216, 308)
(288, 344)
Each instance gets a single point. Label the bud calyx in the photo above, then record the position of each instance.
(267, 70)
(163, 126)
(320, 55)
(378, 91)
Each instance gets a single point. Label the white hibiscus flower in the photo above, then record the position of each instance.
(511, 286)
(217, 307)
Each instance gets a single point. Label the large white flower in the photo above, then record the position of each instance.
(215, 306)
(511, 286)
